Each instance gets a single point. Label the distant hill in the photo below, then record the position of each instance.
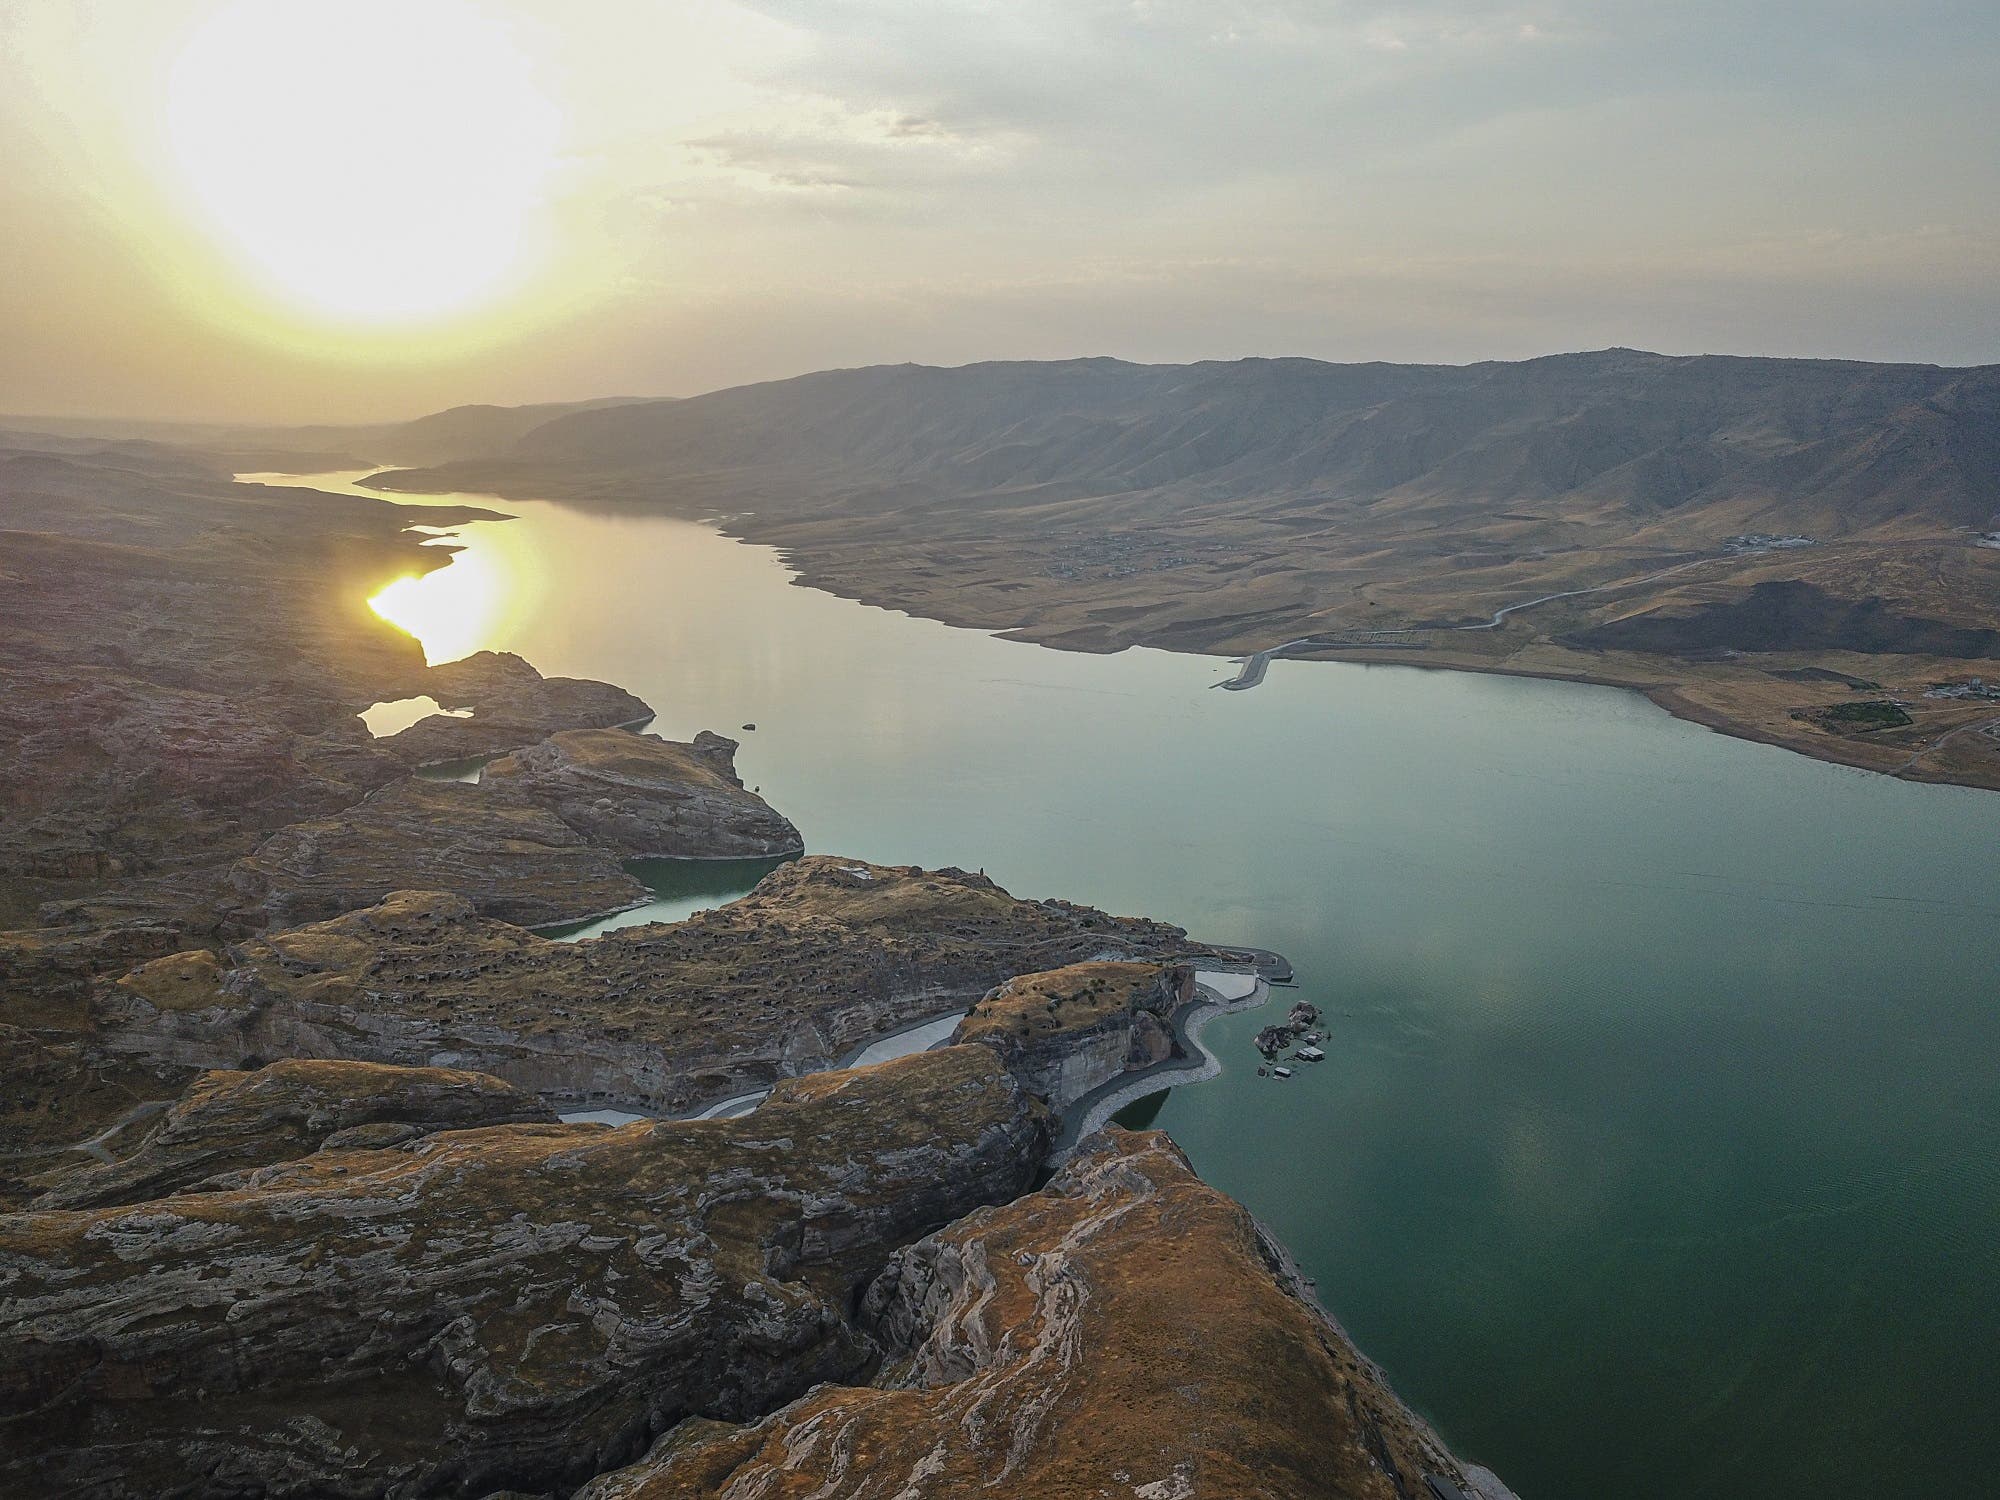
(475, 431)
(461, 432)
(1836, 445)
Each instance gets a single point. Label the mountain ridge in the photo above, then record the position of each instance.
(1622, 427)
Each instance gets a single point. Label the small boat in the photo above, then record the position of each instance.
(1281, 1072)
(1312, 1054)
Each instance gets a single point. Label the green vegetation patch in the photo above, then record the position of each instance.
(1877, 713)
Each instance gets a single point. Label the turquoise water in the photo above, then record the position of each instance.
(680, 887)
(1655, 1154)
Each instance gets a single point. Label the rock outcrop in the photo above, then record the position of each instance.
(509, 858)
(228, 1123)
(823, 956)
(512, 705)
(520, 1306)
(185, 658)
(1066, 1031)
(60, 1103)
(60, 1107)
(541, 839)
(647, 798)
(1126, 1331)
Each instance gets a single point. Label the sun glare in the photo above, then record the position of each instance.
(452, 612)
(375, 161)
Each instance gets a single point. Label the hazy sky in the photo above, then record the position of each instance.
(350, 209)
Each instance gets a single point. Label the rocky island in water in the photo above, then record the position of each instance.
(287, 1205)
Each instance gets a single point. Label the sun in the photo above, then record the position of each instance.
(374, 161)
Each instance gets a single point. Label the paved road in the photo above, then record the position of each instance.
(1984, 726)
(1500, 615)
(1254, 666)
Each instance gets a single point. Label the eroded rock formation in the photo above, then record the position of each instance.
(512, 705)
(509, 858)
(230, 1122)
(1126, 1331)
(520, 1306)
(823, 956)
(647, 798)
(1066, 1031)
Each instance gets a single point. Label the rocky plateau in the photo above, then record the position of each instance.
(825, 955)
(645, 797)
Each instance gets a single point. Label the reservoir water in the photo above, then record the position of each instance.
(1657, 1152)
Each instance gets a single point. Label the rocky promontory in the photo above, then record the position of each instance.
(540, 839)
(511, 705)
(645, 797)
(1125, 1331)
(824, 955)
(1066, 1031)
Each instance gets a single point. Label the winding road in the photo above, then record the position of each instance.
(1500, 615)
(1253, 667)
(1984, 726)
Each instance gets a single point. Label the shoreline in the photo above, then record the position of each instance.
(1669, 696)
(1094, 1110)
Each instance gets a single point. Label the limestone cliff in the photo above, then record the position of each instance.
(1066, 1031)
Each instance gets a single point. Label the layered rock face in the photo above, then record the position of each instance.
(541, 839)
(645, 797)
(514, 1307)
(510, 858)
(512, 705)
(59, 1107)
(825, 955)
(228, 1123)
(56, 1094)
(1065, 1032)
(1125, 1331)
